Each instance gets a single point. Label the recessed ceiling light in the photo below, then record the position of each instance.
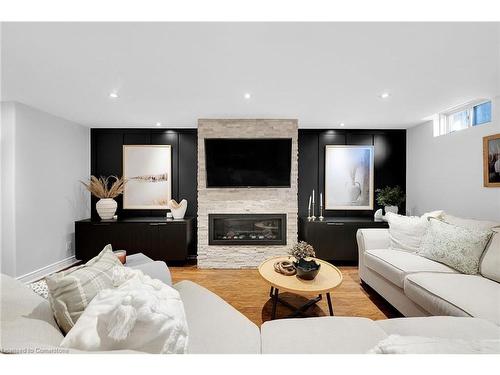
(113, 95)
(385, 95)
(247, 95)
(158, 124)
(342, 124)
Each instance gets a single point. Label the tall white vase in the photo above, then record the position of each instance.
(106, 208)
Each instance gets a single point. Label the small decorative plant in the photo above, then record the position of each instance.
(390, 196)
(102, 188)
(302, 250)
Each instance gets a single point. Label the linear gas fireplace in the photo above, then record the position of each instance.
(247, 229)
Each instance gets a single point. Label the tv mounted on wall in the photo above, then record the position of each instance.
(263, 162)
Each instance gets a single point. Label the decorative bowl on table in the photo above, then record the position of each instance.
(307, 269)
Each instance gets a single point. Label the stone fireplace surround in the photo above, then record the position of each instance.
(244, 200)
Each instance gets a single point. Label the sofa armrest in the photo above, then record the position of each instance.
(156, 270)
(372, 238)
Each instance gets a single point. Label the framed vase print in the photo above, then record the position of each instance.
(349, 177)
(147, 170)
(491, 160)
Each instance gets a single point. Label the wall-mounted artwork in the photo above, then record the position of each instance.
(349, 177)
(148, 171)
(491, 160)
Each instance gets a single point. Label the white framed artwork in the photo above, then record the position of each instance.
(349, 177)
(148, 172)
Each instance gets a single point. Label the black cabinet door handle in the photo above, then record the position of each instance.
(338, 224)
(161, 224)
(153, 224)
(101, 224)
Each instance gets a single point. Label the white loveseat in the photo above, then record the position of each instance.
(417, 286)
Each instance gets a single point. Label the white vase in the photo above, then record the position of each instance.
(393, 209)
(106, 208)
(178, 209)
(354, 191)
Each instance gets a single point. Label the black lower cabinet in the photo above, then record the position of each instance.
(159, 239)
(334, 238)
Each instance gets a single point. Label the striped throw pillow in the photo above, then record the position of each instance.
(71, 291)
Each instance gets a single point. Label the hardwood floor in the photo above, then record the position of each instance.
(249, 293)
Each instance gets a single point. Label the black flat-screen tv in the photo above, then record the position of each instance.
(264, 162)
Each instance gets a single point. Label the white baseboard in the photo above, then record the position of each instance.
(47, 270)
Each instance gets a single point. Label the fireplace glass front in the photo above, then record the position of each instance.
(247, 229)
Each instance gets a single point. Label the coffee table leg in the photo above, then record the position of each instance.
(275, 302)
(330, 307)
(271, 292)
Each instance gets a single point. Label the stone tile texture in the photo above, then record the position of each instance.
(255, 200)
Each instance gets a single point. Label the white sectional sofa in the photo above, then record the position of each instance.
(216, 327)
(417, 286)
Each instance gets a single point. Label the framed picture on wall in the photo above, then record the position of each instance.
(148, 172)
(491, 160)
(349, 177)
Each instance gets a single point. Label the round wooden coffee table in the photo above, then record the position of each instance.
(329, 277)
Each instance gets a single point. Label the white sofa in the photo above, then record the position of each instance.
(27, 325)
(417, 286)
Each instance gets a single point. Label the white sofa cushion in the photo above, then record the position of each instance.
(396, 344)
(470, 223)
(458, 247)
(406, 232)
(394, 265)
(449, 327)
(26, 318)
(455, 294)
(323, 335)
(215, 327)
(490, 264)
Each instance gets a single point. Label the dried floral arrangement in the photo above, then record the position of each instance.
(302, 250)
(100, 187)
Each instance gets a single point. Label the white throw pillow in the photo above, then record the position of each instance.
(72, 290)
(396, 344)
(406, 232)
(141, 314)
(457, 247)
(470, 223)
(490, 264)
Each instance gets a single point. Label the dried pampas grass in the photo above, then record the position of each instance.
(99, 186)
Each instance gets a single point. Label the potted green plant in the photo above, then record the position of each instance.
(390, 198)
(307, 269)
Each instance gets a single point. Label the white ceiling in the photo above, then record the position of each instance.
(320, 73)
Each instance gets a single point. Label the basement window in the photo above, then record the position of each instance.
(463, 117)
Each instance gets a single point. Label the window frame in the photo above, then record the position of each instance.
(444, 118)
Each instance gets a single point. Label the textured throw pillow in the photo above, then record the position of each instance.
(406, 232)
(71, 291)
(457, 247)
(140, 314)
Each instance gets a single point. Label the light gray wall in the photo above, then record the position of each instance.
(7, 186)
(51, 156)
(446, 172)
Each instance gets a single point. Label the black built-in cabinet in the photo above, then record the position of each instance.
(335, 238)
(144, 231)
(159, 239)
